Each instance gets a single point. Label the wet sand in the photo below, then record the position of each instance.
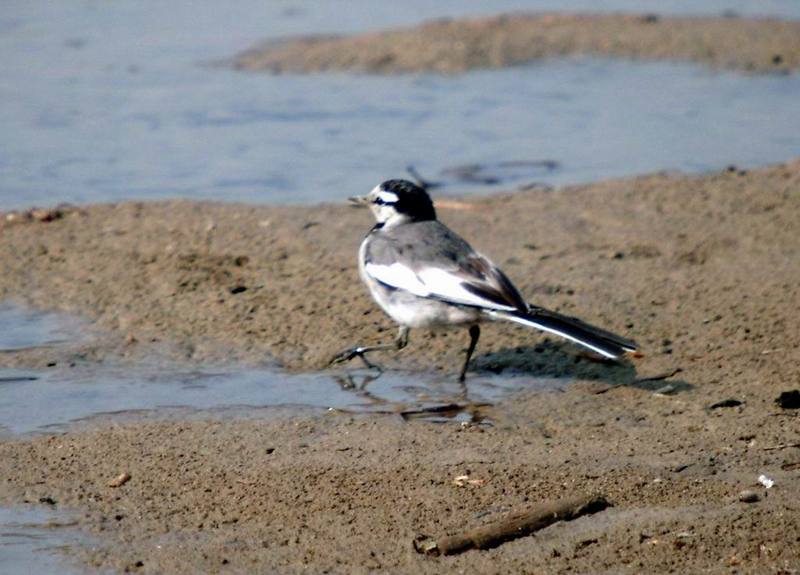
(453, 46)
(701, 270)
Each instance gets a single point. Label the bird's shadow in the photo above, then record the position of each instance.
(560, 360)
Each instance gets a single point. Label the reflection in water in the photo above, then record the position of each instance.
(454, 406)
(357, 384)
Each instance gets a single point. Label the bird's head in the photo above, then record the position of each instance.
(397, 201)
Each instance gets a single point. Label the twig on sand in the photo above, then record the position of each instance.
(513, 526)
(782, 446)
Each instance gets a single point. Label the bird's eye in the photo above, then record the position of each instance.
(380, 201)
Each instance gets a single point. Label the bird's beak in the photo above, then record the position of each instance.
(358, 201)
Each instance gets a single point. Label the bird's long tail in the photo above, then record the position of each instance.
(598, 340)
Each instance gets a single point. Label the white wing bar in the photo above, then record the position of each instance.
(431, 282)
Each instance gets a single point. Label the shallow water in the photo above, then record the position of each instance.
(38, 401)
(112, 101)
(22, 328)
(31, 543)
(53, 399)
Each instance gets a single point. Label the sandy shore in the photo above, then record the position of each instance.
(452, 46)
(702, 270)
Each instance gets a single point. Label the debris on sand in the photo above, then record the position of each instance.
(789, 399)
(513, 526)
(120, 480)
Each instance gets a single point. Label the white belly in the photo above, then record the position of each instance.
(426, 313)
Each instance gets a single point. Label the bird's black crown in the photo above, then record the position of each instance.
(412, 200)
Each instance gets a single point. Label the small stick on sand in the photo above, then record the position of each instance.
(513, 526)
(782, 446)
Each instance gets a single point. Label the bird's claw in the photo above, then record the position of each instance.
(345, 355)
(352, 352)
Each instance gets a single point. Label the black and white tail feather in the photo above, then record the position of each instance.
(598, 340)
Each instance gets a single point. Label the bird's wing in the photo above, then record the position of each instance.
(449, 270)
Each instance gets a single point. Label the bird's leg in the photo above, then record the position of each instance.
(474, 334)
(360, 351)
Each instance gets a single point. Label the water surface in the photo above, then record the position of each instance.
(22, 327)
(32, 542)
(52, 400)
(112, 101)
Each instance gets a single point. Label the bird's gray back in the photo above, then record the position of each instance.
(431, 242)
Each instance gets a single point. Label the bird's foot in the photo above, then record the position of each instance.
(352, 352)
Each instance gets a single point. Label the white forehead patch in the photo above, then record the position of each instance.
(388, 197)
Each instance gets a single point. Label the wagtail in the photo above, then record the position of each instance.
(423, 275)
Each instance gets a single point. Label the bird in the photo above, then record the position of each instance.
(424, 275)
